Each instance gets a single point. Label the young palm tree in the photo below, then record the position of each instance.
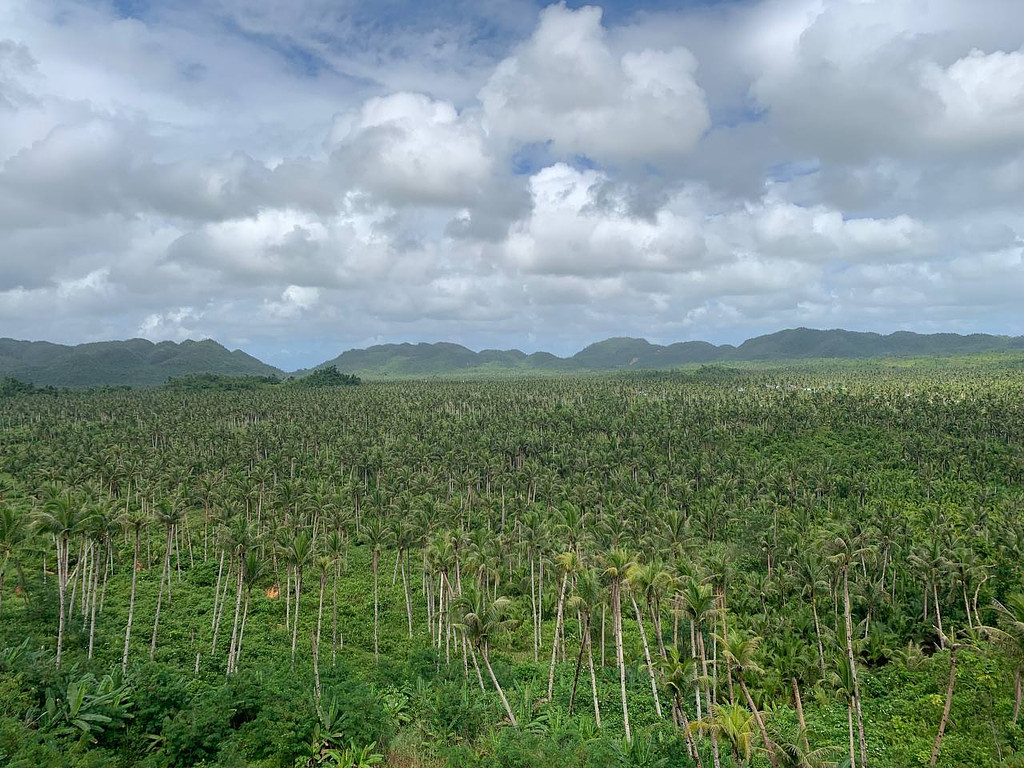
(740, 651)
(734, 724)
(680, 675)
(481, 622)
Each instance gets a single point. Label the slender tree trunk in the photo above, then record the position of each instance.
(487, 663)
(408, 597)
(92, 617)
(849, 725)
(131, 604)
(558, 628)
(62, 566)
(165, 575)
(798, 700)
(1016, 694)
(817, 634)
(949, 703)
(584, 629)
(619, 660)
(847, 615)
(233, 645)
(295, 618)
(476, 666)
(376, 604)
(647, 657)
(769, 745)
(334, 615)
(320, 620)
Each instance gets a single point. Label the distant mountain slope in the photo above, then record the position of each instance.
(628, 353)
(135, 362)
(140, 363)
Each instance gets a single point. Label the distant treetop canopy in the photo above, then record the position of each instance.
(328, 376)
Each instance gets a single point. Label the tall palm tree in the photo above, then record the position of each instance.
(617, 564)
(136, 519)
(60, 517)
(847, 552)
(568, 563)
(168, 514)
(375, 534)
(680, 675)
(481, 622)
(298, 552)
(588, 595)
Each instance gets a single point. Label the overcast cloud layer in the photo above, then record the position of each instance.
(300, 177)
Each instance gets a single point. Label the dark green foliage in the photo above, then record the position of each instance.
(327, 376)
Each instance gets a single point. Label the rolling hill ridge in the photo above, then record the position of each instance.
(141, 363)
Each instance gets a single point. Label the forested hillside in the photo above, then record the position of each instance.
(785, 567)
(132, 363)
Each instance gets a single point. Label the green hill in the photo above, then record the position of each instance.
(135, 362)
(624, 353)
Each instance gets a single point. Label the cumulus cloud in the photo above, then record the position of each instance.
(525, 176)
(566, 86)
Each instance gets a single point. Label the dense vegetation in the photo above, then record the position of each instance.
(722, 568)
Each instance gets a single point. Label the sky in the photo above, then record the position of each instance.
(300, 177)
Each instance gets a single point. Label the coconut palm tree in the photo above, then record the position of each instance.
(60, 518)
(568, 563)
(740, 650)
(297, 553)
(375, 534)
(617, 564)
(481, 622)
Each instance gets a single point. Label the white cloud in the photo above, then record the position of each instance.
(312, 176)
(566, 86)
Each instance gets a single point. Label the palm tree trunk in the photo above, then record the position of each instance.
(798, 700)
(334, 615)
(92, 617)
(619, 660)
(558, 628)
(817, 634)
(1016, 694)
(233, 645)
(769, 745)
(847, 616)
(487, 663)
(131, 604)
(647, 657)
(376, 603)
(295, 618)
(320, 620)
(849, 725)
(593, 680)
(62, 566)
(949, 703)
(408, 596)
(164, 576)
